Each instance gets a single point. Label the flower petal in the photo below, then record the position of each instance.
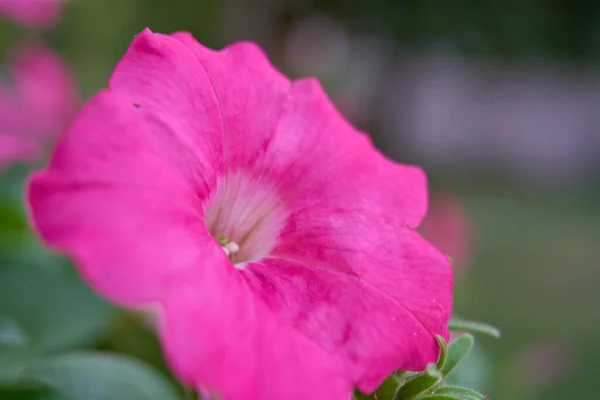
(113, 142)
(289, 136)
(447, 227)
(293, 138)
(14, 148)
(132, 245)
(35, 13)
(252, 96)
(111, 201)
(221, 339)
(373, 295)
(163, 77)
(339, 166)
(45, 92)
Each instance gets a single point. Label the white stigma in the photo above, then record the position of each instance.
(230, 248)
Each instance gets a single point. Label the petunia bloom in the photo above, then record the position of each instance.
(542, 365)
(33, 13)
(36, 106)
(271, 238)
(448, 228)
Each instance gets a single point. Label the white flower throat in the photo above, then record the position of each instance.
(245, 216)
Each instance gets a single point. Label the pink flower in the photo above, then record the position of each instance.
(37, 106)
(33, 13)
(447, 227)
(544, 364)
(269, 235)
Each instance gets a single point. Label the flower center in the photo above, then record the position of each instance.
(230, 248)
(245, 216)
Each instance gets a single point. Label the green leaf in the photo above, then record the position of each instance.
(22, 393)
(100, 376)
(438, 397)
(457, 392)
(12, 333)
(474, 371)
(12, 362)
(56, 309)
(461, 325)
(443, 351)
(52, 396)
(388, 389)
(432, 370)
(361, 396)
(457, 351)
(403, 376)
(417, 385)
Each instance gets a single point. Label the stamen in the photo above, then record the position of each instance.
(229, 247)
(222, 240)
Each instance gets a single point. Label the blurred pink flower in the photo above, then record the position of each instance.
(33, 13)
(17, 149)
(543, 364)
(447, 227)
(269, 235)
(36, 106)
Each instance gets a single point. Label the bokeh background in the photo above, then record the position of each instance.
(498, 101)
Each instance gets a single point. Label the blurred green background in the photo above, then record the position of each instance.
(534, 214)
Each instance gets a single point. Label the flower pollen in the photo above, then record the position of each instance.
(230, 248)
